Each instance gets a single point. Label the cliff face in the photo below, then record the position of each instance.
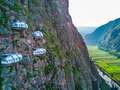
(95, 37)
(66, 66)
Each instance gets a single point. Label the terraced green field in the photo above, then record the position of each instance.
(105, 61)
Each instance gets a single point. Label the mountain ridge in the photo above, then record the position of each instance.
(94, 37)
(84, 30)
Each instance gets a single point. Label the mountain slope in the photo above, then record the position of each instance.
(85, 30)
(111, 41)
(66, 66)
(94, 37)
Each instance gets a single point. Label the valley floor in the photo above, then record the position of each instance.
(108, 63)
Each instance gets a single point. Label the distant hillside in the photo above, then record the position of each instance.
(94, 37)
(110, 41)
(86, 30)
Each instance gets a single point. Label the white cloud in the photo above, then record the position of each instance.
(93, 12)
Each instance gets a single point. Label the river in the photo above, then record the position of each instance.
(111, 83)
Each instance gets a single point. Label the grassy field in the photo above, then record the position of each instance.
(107, 62)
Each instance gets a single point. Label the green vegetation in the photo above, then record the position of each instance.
(13, 5)
(76, 73)
(51, 45)
(106, 61)
(1, 79)
(50, 86)
(67, 69)
(49, 68)
(3, 18)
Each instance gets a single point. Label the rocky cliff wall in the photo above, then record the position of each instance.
(66, 65)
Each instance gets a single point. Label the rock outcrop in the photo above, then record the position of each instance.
(66, 66)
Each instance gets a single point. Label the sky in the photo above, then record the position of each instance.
(93, 12)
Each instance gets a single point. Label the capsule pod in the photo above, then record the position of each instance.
(19, 25)
(11, 58)
(37, 34)
(39, 51)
